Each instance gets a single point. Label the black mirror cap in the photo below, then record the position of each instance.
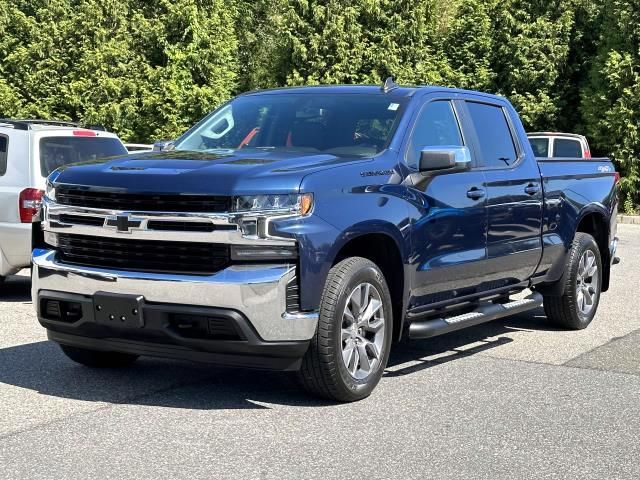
(444, 158)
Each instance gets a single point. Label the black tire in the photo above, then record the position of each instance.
(323, 372)
(564, 310)
(98, 359)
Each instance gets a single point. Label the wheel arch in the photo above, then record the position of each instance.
(594, 222)
(385, 248)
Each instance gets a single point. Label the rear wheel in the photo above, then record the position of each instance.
(97, 358)
(349, 352)
(576, 308)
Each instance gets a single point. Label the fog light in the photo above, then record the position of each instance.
(51, 239)
(259, 252)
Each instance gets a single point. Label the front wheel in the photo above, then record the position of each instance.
(349, 352)
(577, 306)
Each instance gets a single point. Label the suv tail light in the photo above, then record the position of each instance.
(30, 203)
(587, 153)
(616, 177)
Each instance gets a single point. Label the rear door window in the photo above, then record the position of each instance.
(4, 144)
(57, 152)
(566, 148)
(540, 147)
(494, 134)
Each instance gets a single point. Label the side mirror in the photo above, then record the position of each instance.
(445, 158)
(163, 146)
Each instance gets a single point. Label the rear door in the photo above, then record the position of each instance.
(514, 194)
(449, 235)
(14, 173)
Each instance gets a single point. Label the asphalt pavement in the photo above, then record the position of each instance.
(513, 399)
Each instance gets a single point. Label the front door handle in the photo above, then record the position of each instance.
(531, 189)
(475, 193)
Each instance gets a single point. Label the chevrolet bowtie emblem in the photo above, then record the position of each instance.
(123, 223)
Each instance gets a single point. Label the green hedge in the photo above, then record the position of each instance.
(149, 68)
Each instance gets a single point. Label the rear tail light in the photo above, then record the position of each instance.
(29, 204)
(616, 177)
(587, 153)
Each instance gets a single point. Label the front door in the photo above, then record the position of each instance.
(449, 230)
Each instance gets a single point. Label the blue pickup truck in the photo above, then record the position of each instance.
(310, 228)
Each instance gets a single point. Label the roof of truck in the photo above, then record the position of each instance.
(407, 91)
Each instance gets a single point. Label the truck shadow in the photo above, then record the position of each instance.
(42, 367)
(414, 355)
(16, 289)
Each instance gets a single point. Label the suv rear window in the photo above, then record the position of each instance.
(565, 148)
(540, 147)
(3, 154)
(56, 152)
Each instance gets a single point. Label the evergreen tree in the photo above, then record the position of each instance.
(611, 101)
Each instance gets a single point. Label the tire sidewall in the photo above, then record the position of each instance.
(370, 274)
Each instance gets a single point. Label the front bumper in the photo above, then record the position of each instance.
(251, 297)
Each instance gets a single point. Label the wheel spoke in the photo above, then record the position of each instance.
(580, 299)
(365, 364)
(588, 297)
(589, 264)
(581, 266)
(364, 303)
(356, 361)
(348, 353)
(348, 314)
(375, 326)
(356, 301)
(373, 306)
(373, 348)
(346, 335)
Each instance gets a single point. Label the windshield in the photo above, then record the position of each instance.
(59, 151)
(340, 124)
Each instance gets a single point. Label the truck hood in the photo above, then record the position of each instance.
(213, 173)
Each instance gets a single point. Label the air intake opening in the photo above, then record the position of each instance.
(204, 327)
(60, 310)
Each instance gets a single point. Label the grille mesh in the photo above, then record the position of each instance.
(143, 255)
(79, 197)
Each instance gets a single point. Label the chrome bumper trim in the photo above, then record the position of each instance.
(256, 291)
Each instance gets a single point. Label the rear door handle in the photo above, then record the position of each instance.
(475, 193)
(531, 189)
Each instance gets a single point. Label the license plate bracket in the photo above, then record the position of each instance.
(118, 310)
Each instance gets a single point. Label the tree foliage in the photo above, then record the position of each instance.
(150, 68)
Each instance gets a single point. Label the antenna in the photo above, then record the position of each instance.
(389, 85)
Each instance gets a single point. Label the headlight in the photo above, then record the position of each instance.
(50, 191)
(300, 204)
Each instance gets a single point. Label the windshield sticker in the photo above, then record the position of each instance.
(393, 106)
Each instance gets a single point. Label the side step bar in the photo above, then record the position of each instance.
(484, 313)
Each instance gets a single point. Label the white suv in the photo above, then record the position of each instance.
(559, 145)
(29, 151)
